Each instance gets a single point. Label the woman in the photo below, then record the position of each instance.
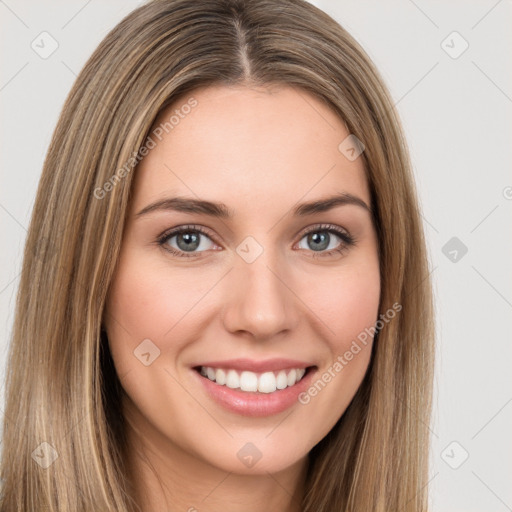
(225, 300)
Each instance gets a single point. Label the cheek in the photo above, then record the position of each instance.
(347, 304)
(348, 308)
(355, 304)
(146, 301)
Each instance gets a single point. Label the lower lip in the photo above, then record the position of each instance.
(256, 404)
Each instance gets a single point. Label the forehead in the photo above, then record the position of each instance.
(240, 145)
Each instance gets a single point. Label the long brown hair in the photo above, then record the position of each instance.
(62, 392)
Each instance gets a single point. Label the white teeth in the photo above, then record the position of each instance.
(232, 379)
(266, 382)
(281, 380)
(248, 381)
(220, 376)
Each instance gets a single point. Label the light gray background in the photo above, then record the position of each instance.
(456, 114)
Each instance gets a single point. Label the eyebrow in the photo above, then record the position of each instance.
(220, 210)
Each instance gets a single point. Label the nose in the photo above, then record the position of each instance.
(260, 300)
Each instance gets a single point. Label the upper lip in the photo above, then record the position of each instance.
(267, 365)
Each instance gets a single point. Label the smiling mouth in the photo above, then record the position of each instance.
(253, 382)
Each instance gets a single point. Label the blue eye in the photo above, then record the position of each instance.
(320, 238)
(189, 241)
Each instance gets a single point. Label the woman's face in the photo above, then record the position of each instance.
(260, 296)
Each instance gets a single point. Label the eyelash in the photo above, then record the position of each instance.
(347, 240)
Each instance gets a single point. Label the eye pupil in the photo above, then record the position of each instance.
(190, 239)
(321, 238)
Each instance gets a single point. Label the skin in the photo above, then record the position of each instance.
(259, 151)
